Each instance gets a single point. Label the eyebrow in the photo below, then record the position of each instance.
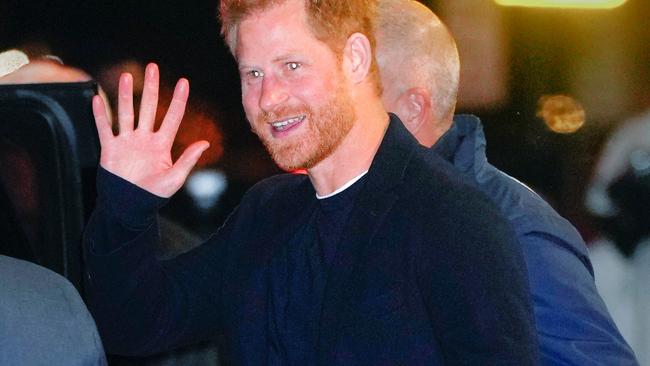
(286, 56)
(283, 57)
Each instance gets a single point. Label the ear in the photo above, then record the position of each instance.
(357, 56)
(414, 109)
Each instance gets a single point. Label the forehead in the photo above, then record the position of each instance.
(278, 29)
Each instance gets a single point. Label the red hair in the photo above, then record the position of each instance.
(332, 22)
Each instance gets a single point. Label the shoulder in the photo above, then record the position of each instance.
(514, 198)
(276, 194)
(36, 290)
(530, 216)
(281, 186)
(454, 210)
(435, 185)
(43, 307)
(22, 276)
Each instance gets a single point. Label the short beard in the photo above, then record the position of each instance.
(326, 128)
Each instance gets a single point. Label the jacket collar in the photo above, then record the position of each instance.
(389, 165)
(463, 145)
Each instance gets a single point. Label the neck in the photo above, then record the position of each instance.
(355, 153)
(433, 131)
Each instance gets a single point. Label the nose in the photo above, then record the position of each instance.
(273, 94)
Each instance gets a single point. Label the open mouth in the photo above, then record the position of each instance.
(286, 124)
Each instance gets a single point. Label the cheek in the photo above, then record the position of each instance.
(312, 91)
(250, 101)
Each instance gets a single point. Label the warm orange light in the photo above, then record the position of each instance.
(561, 113)
(583, 4)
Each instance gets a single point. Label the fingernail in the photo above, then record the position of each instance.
(126, 77)
(151, 69)
(183, 84)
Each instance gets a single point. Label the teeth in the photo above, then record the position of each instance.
(283, 125)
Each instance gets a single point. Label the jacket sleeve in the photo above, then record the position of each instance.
(143, 306)
(573, 323)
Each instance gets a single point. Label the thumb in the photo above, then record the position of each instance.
(182, 167)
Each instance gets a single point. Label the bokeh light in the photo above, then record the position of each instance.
(561, 113)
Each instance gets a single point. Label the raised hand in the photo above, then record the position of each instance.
(139, 154)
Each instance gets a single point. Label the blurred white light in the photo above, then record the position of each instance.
(205, 187)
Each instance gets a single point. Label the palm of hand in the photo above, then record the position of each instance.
(134, 152)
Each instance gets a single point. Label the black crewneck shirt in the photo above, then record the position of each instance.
(299, 276)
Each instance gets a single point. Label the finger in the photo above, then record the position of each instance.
(182, 167)
(125, 103)
(101, 120)
(176, 110)
(149, 102)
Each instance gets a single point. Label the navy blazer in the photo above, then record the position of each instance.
(427, 271)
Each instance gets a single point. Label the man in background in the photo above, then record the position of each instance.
(419, 67)
(43, 320)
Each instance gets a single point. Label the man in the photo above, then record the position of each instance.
(379, 255)
(419, 68)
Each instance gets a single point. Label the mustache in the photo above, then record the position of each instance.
(284, 112)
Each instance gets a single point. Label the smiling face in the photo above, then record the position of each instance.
(294, 92)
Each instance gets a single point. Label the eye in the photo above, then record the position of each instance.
(255, 74)
(293, 65)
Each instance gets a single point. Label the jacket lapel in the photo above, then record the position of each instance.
(279, 216)
(371, 208)
(290, 212)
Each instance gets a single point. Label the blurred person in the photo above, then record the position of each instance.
(43, 320)
(419, 67)
(618, 195)
(379, 255)
(45, 70)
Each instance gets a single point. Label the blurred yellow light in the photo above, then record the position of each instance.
(584, 4)
(561, 113)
